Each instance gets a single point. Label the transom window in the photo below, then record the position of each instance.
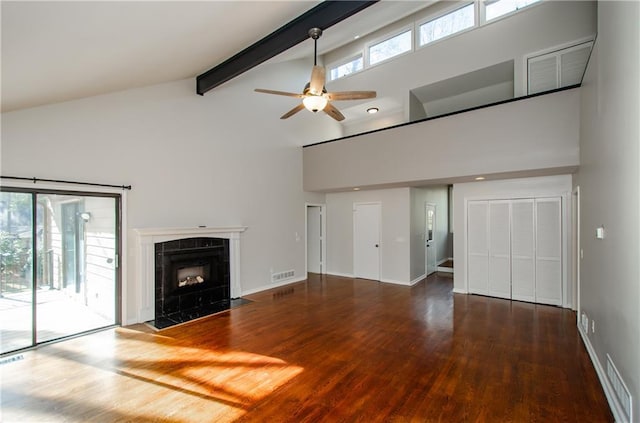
(346, 68)
(428, 30)
(496, 8)
(390, 47)
(451, 23)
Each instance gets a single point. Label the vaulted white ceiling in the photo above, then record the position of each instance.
(60, 51)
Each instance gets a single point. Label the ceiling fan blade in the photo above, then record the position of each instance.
(293, 111)
(260, 90)
(333, 112)
(350, 95)
(316, 86)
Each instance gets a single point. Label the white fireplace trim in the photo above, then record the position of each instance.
(146, 238)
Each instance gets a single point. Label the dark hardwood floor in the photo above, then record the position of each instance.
(330, 349)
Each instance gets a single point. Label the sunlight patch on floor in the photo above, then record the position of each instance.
(120, 382)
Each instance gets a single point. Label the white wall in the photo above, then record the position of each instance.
(192, 160)
(395, 242)
(610, 192)
(506, 189)
(419, 197)
(478, 97)
(531, 134)
(539, 27)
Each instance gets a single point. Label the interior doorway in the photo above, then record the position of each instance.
(430, 242)
(315, 238)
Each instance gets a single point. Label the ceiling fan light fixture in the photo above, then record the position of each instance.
(314, 96)
(314, 103)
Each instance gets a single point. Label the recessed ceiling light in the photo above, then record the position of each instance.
(356, 37)
(372, 110)
(356, 189)
(479, 178)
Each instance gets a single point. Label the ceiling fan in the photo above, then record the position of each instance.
(314, 95)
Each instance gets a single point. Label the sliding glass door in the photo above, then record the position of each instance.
(59, 274)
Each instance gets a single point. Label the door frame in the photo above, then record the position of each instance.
(565, 219)
(576, 249)
(427, 205)
(323, 236)
(364, 203)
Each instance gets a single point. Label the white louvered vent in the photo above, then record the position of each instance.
(622, 393)
(280, 276)
(560, 68)
(543, 74)
(572, 65)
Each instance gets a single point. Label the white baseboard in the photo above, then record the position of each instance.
(418, 279)
(616, 409)
(342, 275)
(395, 282)
(460, 291)
(444, 269)
(273, 285)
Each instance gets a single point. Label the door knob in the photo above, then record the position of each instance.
(376, 245)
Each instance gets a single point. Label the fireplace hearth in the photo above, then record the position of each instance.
(192, 279)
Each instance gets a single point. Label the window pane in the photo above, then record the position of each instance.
(16, 271)
(76, 265)
(389, 48)
(446, 25)
(498, 8)
(345, 69)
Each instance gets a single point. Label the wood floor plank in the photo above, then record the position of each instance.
(330, 349)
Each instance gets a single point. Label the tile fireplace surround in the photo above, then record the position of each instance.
(146, 238)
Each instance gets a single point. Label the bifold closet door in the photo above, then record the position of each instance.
(523, 262)
(548, 224)
(499, 249)
(477, 247)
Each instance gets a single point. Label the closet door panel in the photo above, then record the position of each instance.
(523, 277)
(548, 251)
(477, 247)
(499, 271)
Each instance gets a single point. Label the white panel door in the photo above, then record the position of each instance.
(366, 241)
(523, 276)
(314, 242)
(499, 273)
(477, 247)
(548, 214)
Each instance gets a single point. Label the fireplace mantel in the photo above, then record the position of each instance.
(146, 238)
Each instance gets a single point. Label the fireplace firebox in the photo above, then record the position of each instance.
(192, 279)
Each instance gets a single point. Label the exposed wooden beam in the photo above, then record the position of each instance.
(322, 16)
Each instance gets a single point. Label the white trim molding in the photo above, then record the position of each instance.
(418, 279)
(275, 285)
(342, 275)
(146, 238)
(609, 392)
